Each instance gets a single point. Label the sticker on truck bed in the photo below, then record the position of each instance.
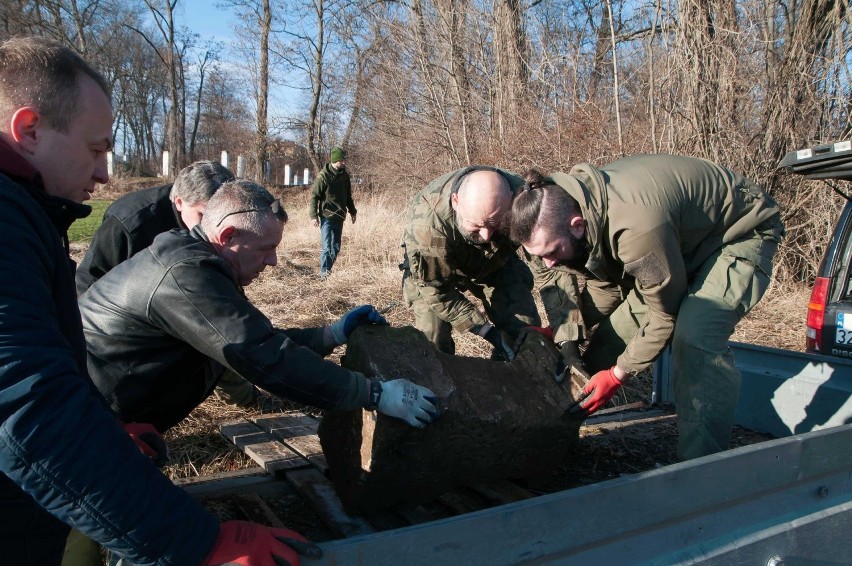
(844, 329)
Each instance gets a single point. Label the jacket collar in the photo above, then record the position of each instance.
(62, 212)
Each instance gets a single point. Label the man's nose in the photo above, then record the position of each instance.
(272, 259)
(485, 234)
(101, 173)
(549, 263)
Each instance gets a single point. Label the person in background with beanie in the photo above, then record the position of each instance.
(331, 198)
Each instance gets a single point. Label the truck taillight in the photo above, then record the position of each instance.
(816, 314)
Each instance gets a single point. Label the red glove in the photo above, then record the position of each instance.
(149, 441)
(250, 544)
(600, 389)
(545, 331)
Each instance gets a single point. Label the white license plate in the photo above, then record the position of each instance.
(843, 336)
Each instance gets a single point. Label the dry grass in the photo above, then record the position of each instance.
(367, 272)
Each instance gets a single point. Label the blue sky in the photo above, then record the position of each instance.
(209, 21)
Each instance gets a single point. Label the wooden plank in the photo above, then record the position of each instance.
(320, 493)
(414, 515)
(501, 492)
(263, 448)
(257, 511)
(270, 422)
(299, 432)
(458, 502)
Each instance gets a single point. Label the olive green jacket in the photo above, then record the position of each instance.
(652, 221)
(442, 263)
(331, 196)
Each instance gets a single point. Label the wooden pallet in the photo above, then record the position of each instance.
(288, 448)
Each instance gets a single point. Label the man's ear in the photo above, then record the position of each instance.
(577, 225)
(454, 200)
(227, 234)
(24, 127)
(178, 203)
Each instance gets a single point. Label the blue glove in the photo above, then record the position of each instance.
(365, 314)
(405, 400)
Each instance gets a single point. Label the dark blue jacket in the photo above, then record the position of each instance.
(58, 442)
(129, 226)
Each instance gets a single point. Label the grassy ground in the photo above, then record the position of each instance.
(82, 229)
(367, 271)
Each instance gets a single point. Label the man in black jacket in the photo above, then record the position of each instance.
(132, 222)
(153, 323)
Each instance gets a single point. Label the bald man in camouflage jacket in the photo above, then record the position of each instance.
(455, 242)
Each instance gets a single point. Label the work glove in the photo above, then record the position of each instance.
(365, 314)
(250, 544)
(149, 441)
(600, 389)
(400, 398)
(502, 349)
(570, 361)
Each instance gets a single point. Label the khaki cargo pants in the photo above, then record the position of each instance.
(706, 381)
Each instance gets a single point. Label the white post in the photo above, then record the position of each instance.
(224, 159)
(110, 163)
(241, 166)
(166, 164)
(267, 171)
(286, 174)
(295, 179)
(307, 176)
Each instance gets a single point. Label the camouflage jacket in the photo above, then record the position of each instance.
(442, 263)
(652, 221)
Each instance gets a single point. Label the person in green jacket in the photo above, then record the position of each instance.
(331, 198)
(456, 245)
(674, 250)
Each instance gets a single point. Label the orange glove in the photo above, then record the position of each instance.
(241, 543)
(600, 389)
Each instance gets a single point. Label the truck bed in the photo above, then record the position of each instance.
(789, 497)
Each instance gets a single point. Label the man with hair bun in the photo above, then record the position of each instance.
(675, 250)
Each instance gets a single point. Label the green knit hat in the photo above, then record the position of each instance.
(337, 154)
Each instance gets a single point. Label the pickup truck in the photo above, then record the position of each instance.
(785, 501)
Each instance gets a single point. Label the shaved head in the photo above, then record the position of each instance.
(481, 204)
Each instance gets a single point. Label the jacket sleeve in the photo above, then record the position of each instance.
(560, 295)
(432, 275)
(654, 259)
(57, 442)
(111, 244)
(317, 197)
(200, 303)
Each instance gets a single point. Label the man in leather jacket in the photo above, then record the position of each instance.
(130, 225)
(153, 323)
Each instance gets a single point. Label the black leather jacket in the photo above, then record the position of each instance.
(153, 323)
